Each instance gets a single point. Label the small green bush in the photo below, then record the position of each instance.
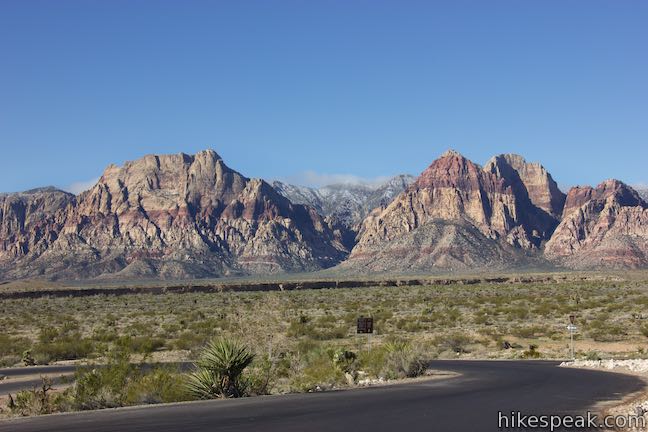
(402, 361)
(532, 352)
(455, 342)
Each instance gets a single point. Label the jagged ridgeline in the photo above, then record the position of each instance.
(173, 216)
(178, 216)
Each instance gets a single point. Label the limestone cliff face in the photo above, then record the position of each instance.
(182, 215)
(31, 221)
(602, 227)
(464, 202)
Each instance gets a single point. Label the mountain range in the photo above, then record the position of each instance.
(179, 216)
(349, 203)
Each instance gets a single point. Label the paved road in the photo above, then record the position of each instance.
(468, 403)
(35, 370)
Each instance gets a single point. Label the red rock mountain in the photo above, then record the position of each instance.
(460, 215)
(171, 216)
(30, 222)
(177, 216)
(602, 227)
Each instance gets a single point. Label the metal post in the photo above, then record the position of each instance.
(572, 329)
(572, 338)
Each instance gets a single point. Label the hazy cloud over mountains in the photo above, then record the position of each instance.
(315, 179)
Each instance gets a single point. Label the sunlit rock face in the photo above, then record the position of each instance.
(462, 215)
(182, 215)
(601, 227)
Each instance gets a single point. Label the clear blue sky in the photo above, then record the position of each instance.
(368, 88)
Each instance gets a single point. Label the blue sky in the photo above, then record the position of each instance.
(362, 88)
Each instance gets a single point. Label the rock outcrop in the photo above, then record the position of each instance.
(531, 179)
(602, 227)
(181, 215)
(30, 222)
(461, 205)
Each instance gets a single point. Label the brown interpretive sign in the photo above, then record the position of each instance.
(365, 325)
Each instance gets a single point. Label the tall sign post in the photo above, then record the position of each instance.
(365, 326)
(571, 327)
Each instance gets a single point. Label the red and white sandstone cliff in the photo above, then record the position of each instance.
(459, 215)
(602, 227)
(177, 216)
(181, 215)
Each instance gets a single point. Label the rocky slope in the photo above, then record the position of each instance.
(31, 221)
(643, 193)
(177, 216)
(606, 226)
(347, 203)
(460, 215)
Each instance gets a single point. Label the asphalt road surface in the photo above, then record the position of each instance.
(15, 380)
(469, 402)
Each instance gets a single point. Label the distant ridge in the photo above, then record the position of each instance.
(190, 216)
(348, 203)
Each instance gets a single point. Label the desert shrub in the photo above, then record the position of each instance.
(161, 385)
(410, 325)
(27, 358)
(402, 360)
(189, 340)
(316, 370)
(482, 318)
(219, 370)
(303, 326)
(516, 313)
(606, 332)
(455, 342)
(592, 355)
(120, 383)
(644, 330)
(64, 348)
(372, 361)
(12, 346)
(140, 344)
(532, 352)
(105, 335)
(36, 401)
(345, 360)
(64, 343)
(532, 331)
(260, 376)
(106, 386)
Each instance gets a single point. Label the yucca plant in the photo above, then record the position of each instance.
(219, 370)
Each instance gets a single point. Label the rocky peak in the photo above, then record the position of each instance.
(178, 215)
(31, 220)
(613, 189)
(531, 179)
(605, 226)
(453, 170)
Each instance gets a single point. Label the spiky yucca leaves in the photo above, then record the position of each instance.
(219, 369)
